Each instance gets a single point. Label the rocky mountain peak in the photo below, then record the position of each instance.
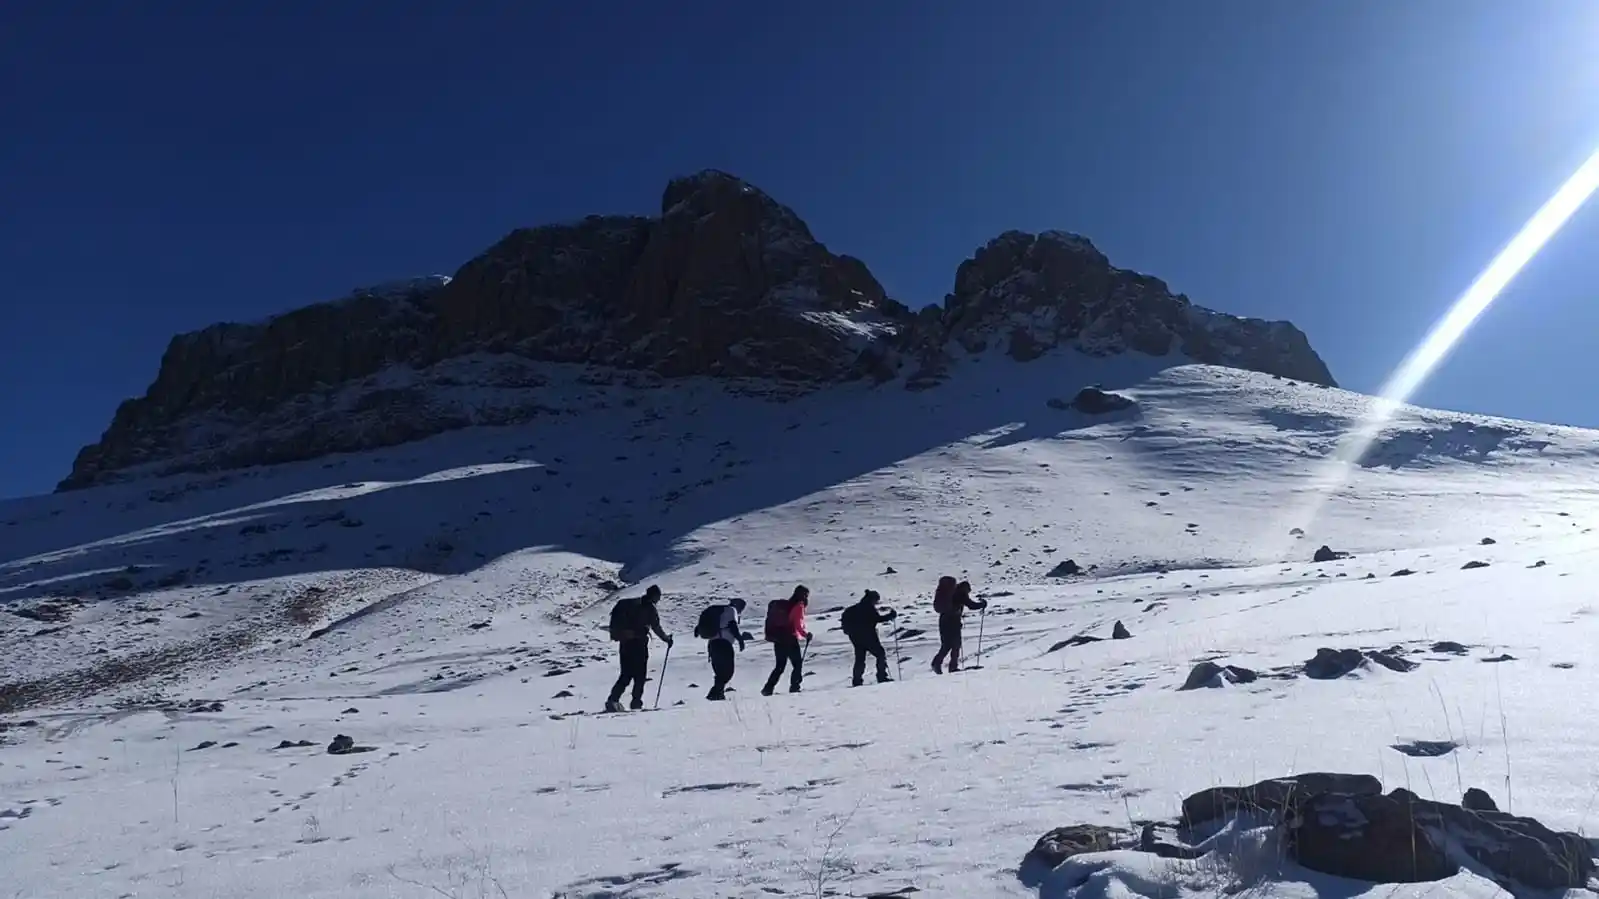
(724, 282)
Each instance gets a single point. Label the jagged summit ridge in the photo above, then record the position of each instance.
(725, 282)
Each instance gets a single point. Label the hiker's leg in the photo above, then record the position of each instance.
(796, 663)
(778, 651)
(860, 664)
(876, 649)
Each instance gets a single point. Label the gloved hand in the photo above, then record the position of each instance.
(892, 614)
(669, 640)
(746, 636)
(808, 637)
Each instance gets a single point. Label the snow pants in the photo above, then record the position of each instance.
(787, 652)
(722, 663)
(869, 645)
(635, 660)
(949, 641)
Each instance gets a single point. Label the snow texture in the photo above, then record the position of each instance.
(441, 603)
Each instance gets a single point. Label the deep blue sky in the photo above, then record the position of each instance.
(1345, 164)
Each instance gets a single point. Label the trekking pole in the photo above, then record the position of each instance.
(898, 674)
(981, 617)
(662, 682)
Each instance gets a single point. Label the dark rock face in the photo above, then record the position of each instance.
(724, 282)
(1065, 292)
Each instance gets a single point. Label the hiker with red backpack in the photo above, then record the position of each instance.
(632, 620)
(785, 627)
(950, 601)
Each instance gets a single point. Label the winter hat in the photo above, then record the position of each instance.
(737, 604)
(654, 592)
(964, 587)
(872, 596)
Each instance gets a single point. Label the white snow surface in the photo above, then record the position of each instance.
(457, 587)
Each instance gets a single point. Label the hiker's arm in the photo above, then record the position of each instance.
(655, 625)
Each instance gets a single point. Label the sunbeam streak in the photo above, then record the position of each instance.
(1443, 337)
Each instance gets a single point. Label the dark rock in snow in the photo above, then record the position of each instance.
(1488, 541)
(293, 744)
(1403, 572)
(1402, 838)
(1327, 554)
(352, 710)
(343, 745)
(1094, 401)
(1210, 674)
(1078, 640)
(1272, 795)
(1449, 646)
(1473, 564)
(477, 625)
(1120, 632)
(1391, 660)
(1539, 564)
(205, 744)
(1062, 843)
(1330, 664)
(1426, 749)
(1067, 568)
(1504, 657)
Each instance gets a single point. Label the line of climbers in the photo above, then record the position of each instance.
(634, 619)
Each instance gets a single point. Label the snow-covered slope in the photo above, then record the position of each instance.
(441, 602)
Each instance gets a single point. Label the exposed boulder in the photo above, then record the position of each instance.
(1062, 843)
(1325, 553)
(1068, 568)
(1120, 632)
(1402, 838)
(1478, 801)
(1210, 674)
(1273, 795)
(1094, 401)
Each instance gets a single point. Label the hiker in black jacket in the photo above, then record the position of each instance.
(859, 623)
(951, 602)
(632, 620)
(728, 632)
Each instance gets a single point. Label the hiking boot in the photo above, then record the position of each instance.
(793, 688)
(612, 705)
(884, 679)
(766, 690)
(937, 668)
(715, 696)
(636, 704)
(856, 682)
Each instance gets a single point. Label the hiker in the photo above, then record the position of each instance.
(951, 601)
(632, 620)
(859, 623)
(720, 626)
(785, 626)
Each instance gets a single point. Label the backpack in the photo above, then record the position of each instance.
(625, 618)
(853, 621)
(944, 599)
(710, 623)
(777, 626)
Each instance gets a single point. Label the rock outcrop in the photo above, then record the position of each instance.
(724, 282)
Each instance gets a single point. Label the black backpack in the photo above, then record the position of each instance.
(710, 622)
(853, 621)
(625, 616)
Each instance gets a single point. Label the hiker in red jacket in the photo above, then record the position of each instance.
(785, 627)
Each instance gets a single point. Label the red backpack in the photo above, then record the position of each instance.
(777, 626)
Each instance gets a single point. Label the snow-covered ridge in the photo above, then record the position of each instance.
(188, 647)
(726, 283)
